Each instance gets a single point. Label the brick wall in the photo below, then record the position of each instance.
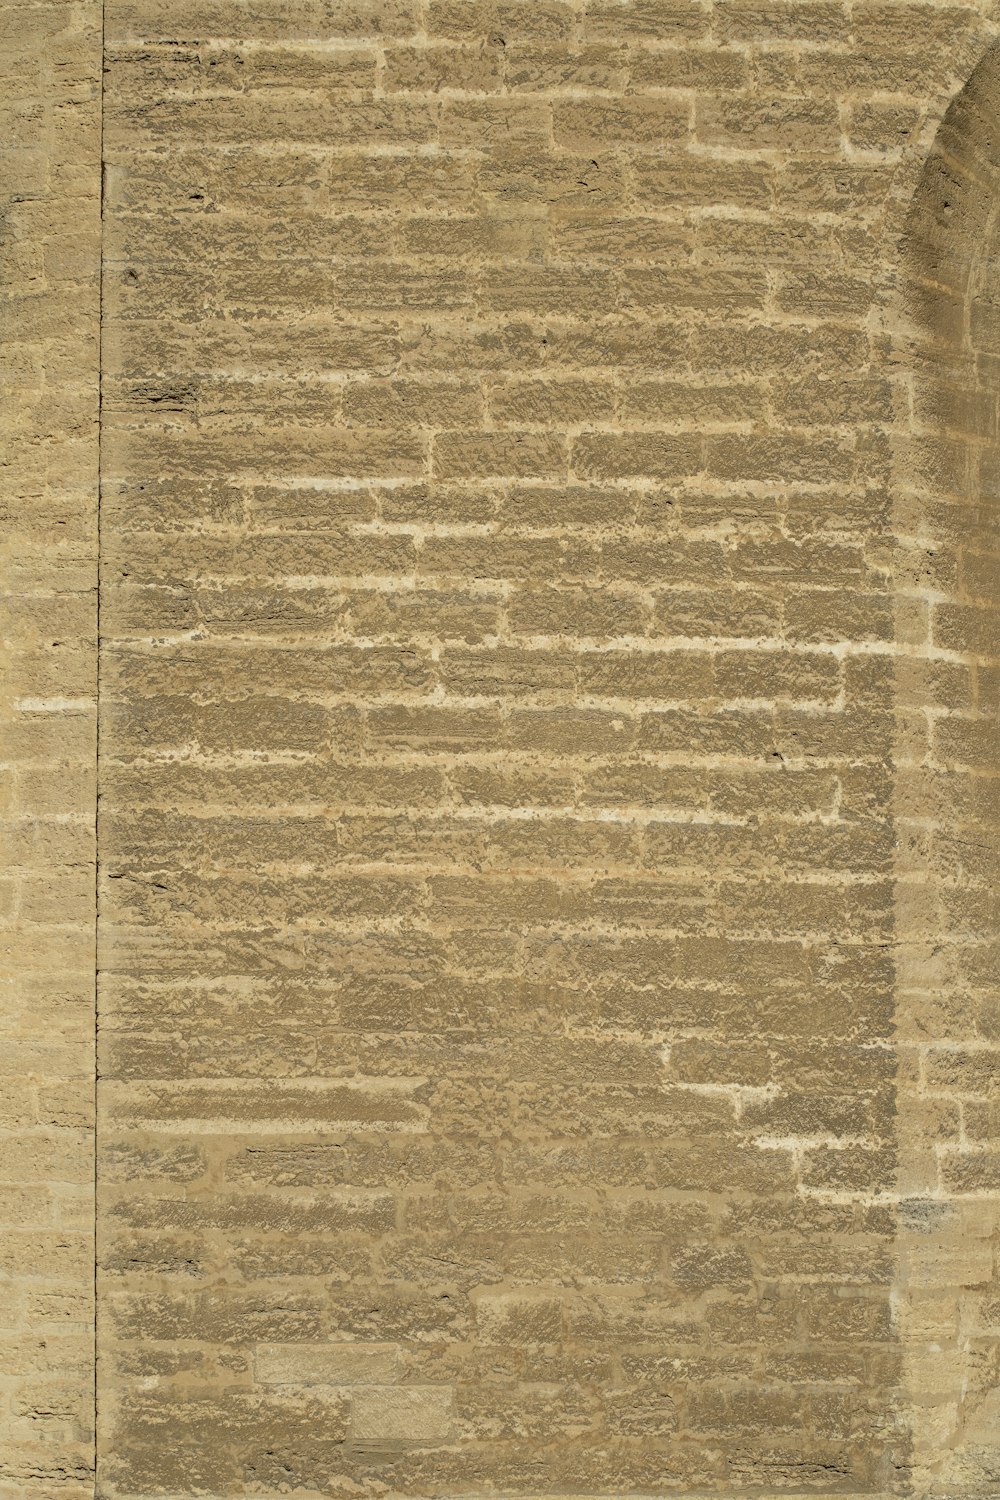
(546, 1013)
(49, 253)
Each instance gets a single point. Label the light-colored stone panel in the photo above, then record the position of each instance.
(50, 183)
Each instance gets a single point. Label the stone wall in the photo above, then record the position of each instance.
(547, 1012)
(50, 117)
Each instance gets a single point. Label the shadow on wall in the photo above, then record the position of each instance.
(947, 489)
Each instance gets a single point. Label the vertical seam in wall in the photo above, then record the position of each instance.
(97, 685)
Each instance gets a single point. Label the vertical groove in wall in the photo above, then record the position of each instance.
(97, 779)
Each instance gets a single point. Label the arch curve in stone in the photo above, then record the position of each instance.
(946, 523)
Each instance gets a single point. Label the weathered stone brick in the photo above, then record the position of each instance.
(429, 70)
(638, 122)
(794, 125)
(539, 67)
(773, 21)
(655, 20)
(657, 455)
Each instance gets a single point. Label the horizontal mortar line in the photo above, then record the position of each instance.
(931, 1048)
(201, 413)
(437, 596)
(457, 868)
(551, 698)
(837, 565)
(755, 313)
(398, 321)
(588, 579)
(960, 768)
(499, 489)
(421, 40)
(433, 101)
(460, 263)
(606, 1094)
(380, 48)
(44, 820)
(446, 801)
(504, 528)
(360, 867)
(498, 813)
(428, 923)
(681, 489)
(368, 869)
(688, 144)
(562, 257)
(196, 422)
(966, 1148)
(410, 588)
(264, 1124)
(51, 591)
(889, 1199)
(432, 644)
(541, 1495)
(373, 1082)
(187, 759)
(682, 224)
(432, 920)
(134, 139)
(642, 645)
(603, 1034)
(540, 759)
(334, 812)
(56, 705)
(676, 879)
(372, 45)
(391, 321)
(607, 1091)
(825, 1140)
